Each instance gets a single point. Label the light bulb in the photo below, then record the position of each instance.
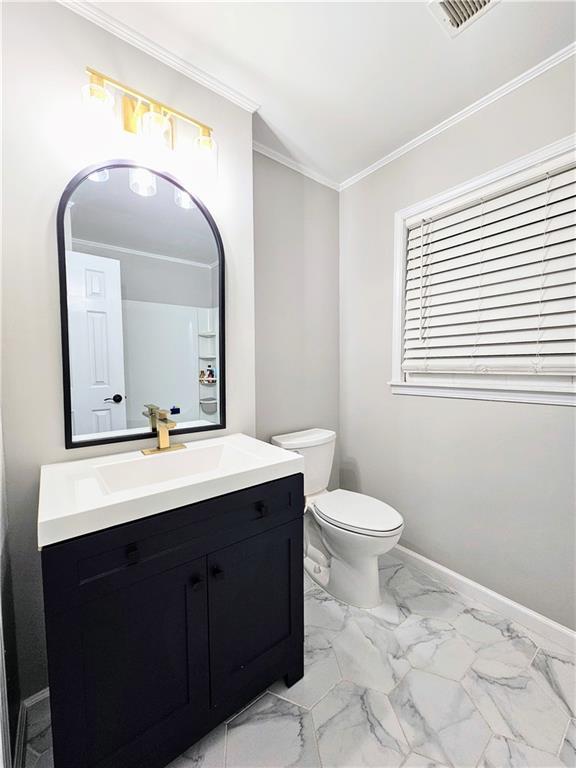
(97, 98)
(156, 128)
(100, 176)
(183, 199)
(142, 182)
(204, 140)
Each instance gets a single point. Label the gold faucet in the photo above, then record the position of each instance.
(160, 422)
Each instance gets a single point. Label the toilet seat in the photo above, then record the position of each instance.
(358, 513)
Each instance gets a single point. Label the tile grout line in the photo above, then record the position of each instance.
(563, 739)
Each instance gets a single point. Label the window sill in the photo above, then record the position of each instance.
(503, 394)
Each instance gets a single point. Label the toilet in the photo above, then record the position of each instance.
(344, 532)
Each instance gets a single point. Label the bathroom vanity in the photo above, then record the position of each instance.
(168, 606)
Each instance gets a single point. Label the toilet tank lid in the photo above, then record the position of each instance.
(307, 438)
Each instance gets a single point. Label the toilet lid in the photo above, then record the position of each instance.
(357, 512)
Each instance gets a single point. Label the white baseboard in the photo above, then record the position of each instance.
(26, 705)
(552, 631)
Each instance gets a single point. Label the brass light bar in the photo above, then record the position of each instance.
(132, 107)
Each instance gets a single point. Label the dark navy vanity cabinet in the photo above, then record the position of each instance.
(159, 629)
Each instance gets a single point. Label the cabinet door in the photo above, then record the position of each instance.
(255, 597)
(131, 671)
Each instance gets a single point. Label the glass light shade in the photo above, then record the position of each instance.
(183, 199)
(100, 176)
(142, 182)
(205, 142)
(97, 98)
(157, 128)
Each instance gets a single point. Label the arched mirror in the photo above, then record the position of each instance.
(142, 302)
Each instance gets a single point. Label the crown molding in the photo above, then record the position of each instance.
(126, 33)
(107, 248)
(490, 98)
(294, 165)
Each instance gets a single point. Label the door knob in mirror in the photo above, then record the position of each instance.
(115, 399)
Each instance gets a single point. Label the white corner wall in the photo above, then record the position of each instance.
(46, 49)
(486, 488)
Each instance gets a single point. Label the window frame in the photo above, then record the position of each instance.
(515, 388)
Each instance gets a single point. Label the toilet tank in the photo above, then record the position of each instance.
(317, 448)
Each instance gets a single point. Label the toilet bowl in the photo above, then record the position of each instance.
(344, 532)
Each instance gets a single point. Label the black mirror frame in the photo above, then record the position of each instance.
(66, 195)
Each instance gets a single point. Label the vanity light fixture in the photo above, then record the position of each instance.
(96, 96)
(183, 199)
(145, 116)
(156, 127)
(142, 182)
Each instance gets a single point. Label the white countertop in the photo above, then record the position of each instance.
(79, 497)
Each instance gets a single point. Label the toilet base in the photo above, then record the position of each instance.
(345, 563)
(355, 583)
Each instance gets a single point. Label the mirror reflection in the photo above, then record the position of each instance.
(143, 269)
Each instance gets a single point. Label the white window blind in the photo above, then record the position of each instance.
(490, 288)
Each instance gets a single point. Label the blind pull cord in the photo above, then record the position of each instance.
(538, 364)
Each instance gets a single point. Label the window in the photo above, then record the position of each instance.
(485, 286)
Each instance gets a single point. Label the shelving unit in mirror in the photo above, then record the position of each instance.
(208, 364)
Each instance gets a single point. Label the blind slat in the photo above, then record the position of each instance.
(536, 270)
(552, 365)
(497, 314)
(454, 272)
(483, 327)
(500, 202)
(431, 242)
(483, 340)
(505, 289)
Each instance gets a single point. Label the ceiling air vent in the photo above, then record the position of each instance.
(457, 15)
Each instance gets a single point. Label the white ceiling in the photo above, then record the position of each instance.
(343, 84)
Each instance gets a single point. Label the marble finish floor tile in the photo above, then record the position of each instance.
(323, 612)
(418, 761)
(495, 638)
(357, 727)
(46, 760)
(557, 674)
(505, 753)
(272, 733)
(435, 646)
(369, 654)
(439, 719)
(514, 706)
(321, 670)
(413, 592)
(209, 752)
(568, 749)
(308, 583)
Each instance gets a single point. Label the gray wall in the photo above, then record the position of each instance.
(46, 48)
(296, 285)
(486, 488)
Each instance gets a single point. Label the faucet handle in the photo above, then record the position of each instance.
(151, 413)
(162, 416)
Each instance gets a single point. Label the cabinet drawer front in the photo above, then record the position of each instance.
(85, 567)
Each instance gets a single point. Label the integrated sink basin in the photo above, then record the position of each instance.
(197, 459)
(80, 497)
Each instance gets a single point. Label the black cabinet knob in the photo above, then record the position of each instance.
(262, 508)
(132, 554)
(196, 583)
(115, 398)
(217, 573)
